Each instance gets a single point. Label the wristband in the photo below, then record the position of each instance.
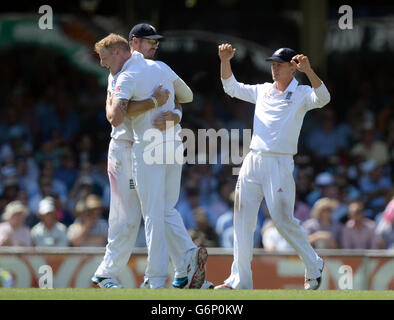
(154, 101)
(178, 112)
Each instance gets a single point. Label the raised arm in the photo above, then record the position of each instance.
(233, 88)
(304, 66)
(226, 53)
(320, 95)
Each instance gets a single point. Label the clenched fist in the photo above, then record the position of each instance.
(226, 52)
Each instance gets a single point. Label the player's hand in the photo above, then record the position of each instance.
(303, 64)
(226, 52)
(161, 96)
(166, 120)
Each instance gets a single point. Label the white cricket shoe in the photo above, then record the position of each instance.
(106, 283)
(196, 268)
(223, 287)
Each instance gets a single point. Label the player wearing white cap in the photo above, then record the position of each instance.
(267, 170)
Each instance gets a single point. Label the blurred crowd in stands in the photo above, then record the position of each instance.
(54, 188)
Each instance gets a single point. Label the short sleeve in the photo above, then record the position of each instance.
(125, 86)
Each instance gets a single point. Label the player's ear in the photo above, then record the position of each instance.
(293, 67)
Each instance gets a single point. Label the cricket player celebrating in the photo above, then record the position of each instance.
(267, 170)
(158, 190)
(125, 212)
(144, 38)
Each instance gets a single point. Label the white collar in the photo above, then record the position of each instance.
(290, 88)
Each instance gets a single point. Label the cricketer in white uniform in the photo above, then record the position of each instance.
(125, 211)
(145, 39)
(267, 170)
(158, 184)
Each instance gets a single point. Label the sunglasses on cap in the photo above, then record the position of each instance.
(152, 41)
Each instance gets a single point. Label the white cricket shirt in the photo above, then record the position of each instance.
(138, 82)
(278, 117)
(123, 131)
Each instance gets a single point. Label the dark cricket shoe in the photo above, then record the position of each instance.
(313, 284)
(106, 283)
(196, 268)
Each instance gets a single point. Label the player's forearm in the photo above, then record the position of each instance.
(313, 79)
(225, 69)
(135, 108)
(116, 111)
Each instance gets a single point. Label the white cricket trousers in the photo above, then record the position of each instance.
(269, 176)
(124, 212)
(158, 185)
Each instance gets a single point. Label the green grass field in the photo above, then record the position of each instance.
(172, 294)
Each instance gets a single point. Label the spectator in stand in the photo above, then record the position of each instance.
(66, 121)
(186, 206)
(328, 139)
(12, 128)
(359, 231)
(59, 188)
(45, 190)
(67, 171)
(49, 232)
(19, 141)
(221, 205)
(301, 209)
(48, 150)
(271, 239)
(81, 189)
(322, 231)
(203, 235)
(85, 149)
(89, 229)
(303, 176)
(323, 181)
(13, 231)
(375, 187)
(28, 174)
(370, 149)
(10, 190)
(359, 115)
(225, 226)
